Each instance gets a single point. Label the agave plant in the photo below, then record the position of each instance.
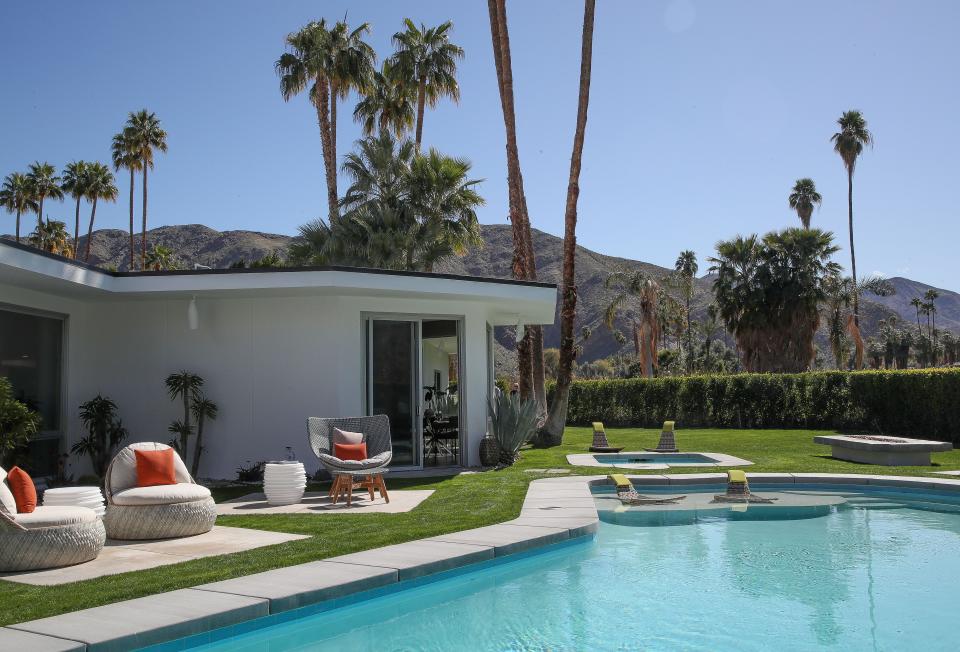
(514, 422)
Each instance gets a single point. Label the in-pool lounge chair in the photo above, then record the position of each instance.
(629, 496)
(158, 512)
(47, 537)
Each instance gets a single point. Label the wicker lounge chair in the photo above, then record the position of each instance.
(376, 435)
(48, 537)
(161, 512)
(668, 442)
(738, 490)
(600, 443)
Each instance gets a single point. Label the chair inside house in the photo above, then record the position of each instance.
(147, 508)
(45, 537)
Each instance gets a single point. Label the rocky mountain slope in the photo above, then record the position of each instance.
(201, 245)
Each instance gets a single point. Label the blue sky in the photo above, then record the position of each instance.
(702, 114)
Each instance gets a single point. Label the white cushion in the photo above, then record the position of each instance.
(7, 503)
(347, 437)
(123, 474)
(53, 516)
(164, 494)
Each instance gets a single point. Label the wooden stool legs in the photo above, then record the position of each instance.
(345, 485)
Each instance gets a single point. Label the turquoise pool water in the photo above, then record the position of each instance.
(672, 459)
(878, 573)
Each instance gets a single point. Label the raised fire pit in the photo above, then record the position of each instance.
(882, 450)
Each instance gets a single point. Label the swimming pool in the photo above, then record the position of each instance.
(872, 573)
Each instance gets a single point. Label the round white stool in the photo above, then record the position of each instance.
(75, 497)
(284, 482)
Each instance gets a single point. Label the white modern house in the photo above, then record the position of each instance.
(273, 346)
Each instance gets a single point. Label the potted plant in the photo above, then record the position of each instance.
(104, 432)
(17, 422)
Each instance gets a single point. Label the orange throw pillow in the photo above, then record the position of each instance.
(155, 468)
(350, 451)
(24, 493)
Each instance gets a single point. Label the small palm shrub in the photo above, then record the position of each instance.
(514, 422)
(105, 431)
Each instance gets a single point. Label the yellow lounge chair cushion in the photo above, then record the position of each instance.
(620, 480)
(598, 426)
(668, 426)
(736, 476)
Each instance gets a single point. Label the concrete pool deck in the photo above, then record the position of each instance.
(591, 459)
(554, 510)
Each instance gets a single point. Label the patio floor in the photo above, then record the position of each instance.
(125, 556)
(319, 503)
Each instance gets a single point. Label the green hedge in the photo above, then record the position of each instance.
(919, 403)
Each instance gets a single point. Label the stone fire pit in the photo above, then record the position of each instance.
(883, 450)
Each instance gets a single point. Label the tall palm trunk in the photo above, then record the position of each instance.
(329, 164)
(132, 244)
(530, 348)
(333, 123)
(93, 214)
(18, 225)
(40, 212)
(853, 255)
(552, 432)
(421, 101)
(143, 235)
(76, 229)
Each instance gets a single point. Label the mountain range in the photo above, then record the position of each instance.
(195, 244)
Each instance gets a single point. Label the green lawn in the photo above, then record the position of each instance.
(461, 502)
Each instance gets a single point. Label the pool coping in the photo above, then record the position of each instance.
(721, 460)
(554, 510)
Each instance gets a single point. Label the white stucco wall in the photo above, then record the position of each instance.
(268, 362)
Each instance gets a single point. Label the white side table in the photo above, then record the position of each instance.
(284, 482)
(89, 497)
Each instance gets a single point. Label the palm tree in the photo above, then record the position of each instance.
(444, 201)
(388, 106)
(530, 348)
(352, 68)
(159, 258)
(686, 266)
(644, 294)
(44, 183)
(849, 143)
(330, 62)
(839, 298)
(768, 292)
(52, 236)
(427, 59)
(803, 198)
(99, 186)
(144, 134)
(931, 296)
(917, 303)
(202, 410)
(552, 432)
(74, 183)
(125, 157)
(188, 387)
(15, 196)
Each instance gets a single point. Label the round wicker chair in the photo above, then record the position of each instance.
(48, 537)
(376, 435)
(162, 512)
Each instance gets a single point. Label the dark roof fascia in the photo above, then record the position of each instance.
(271, 270)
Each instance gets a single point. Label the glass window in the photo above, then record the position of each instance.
(30, 358)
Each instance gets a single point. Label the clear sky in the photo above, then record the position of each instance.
(702, 114)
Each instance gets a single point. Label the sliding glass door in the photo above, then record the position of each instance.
(393, 364)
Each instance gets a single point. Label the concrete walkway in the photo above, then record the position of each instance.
(126, 556)
(319, 503)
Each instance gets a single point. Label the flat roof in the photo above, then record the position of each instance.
(29, 268)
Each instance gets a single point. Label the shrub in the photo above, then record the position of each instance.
(919, 403)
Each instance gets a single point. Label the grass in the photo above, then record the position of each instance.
(459, 503)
